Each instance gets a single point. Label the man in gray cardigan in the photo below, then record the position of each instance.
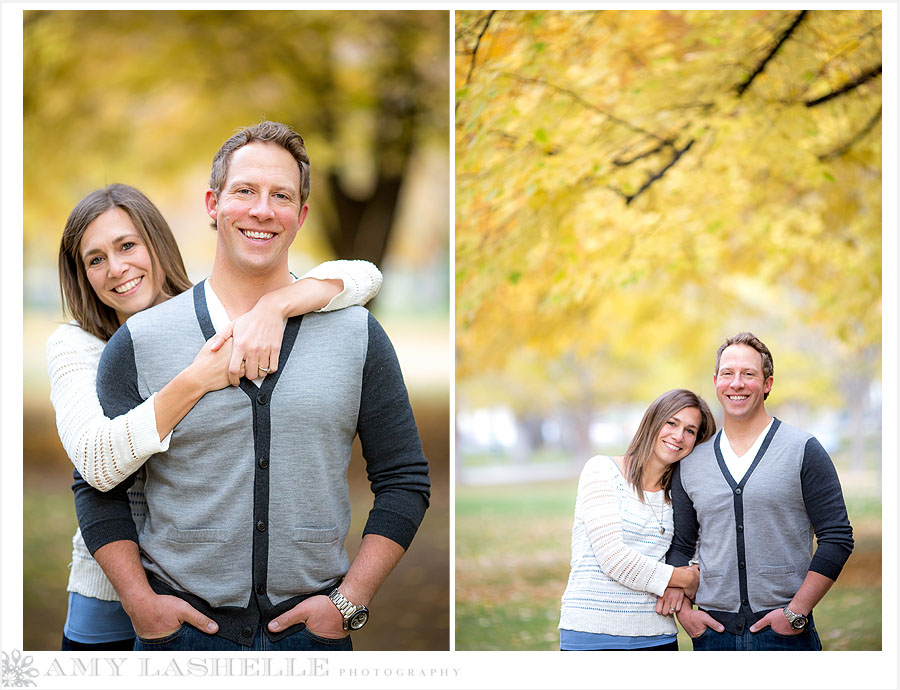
(757, 491)
(242, 546)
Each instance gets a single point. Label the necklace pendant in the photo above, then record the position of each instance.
(662, 530)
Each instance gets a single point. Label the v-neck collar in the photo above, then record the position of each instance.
(723, 467)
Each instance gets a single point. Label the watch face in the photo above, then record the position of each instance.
(799, 623)
(358, 619)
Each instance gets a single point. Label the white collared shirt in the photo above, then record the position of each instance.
(738, 465)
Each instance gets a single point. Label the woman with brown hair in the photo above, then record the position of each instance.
(623, 528)
(118, 257)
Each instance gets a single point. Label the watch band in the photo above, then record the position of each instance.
(797, 620)
(355, 616)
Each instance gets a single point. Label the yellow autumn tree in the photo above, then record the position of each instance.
(633, 186)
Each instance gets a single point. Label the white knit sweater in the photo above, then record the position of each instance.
(618, 555)
(106, 451)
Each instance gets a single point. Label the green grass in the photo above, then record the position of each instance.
(49, 523)
(512, 564)
(540, 456)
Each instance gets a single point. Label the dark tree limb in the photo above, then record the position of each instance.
(849, 86)
(846, 146)
(623, 162)
(484, 29)
(743, 86)
(655, 176)
(842, 55)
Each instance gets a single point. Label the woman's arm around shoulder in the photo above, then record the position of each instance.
(105, 451)
(329, 286)
(361, 281)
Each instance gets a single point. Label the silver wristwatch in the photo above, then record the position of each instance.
(355, 616)
(797, 620)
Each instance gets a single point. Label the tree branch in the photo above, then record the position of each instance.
(478, 43)
(578, 99)
(849, 86)
(623, 162)
(657, 175)
(841, 150)
(742, 87)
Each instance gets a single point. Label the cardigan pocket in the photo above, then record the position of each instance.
(780, 583)
(197, 536)
(315, 535)
(776, 570)
(305, 559)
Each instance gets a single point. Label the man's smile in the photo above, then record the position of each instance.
(257, 234)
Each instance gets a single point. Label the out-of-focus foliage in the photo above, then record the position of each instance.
(633, 186)
(138, 96)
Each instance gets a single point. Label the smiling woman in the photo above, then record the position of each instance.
(119, 264)
(622, 530)
(114, 217)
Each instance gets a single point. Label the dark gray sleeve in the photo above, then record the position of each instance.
(396, 466)
(687, 529)
(827, 512)
(105, 517)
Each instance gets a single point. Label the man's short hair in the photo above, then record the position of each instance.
(275, 132)
(747, 338)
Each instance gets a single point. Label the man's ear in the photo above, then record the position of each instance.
(767, 386)
(212, 204)
(302, 217)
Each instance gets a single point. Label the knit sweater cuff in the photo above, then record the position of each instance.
(146, 435)
(395, 526)
(361, 282)
(828, 561)
(107, 531)
(660, 579)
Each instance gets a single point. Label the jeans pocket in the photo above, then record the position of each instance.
(789, 636)
(325, 640)
(317, 642)
(768, 639)
(701, 635)
(165, 639)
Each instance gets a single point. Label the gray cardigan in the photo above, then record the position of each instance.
(248, 510)
(756, 534)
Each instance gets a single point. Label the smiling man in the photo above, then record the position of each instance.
(757, 491)
(247, 511)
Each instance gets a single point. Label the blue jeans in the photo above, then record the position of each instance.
(764, 640)
(188, 638)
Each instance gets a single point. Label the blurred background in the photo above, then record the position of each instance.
(146, 98)
(632, 187)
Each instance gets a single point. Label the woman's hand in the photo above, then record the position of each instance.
(256, 338)
(670, 602)
(258, 333)
(210, 367)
